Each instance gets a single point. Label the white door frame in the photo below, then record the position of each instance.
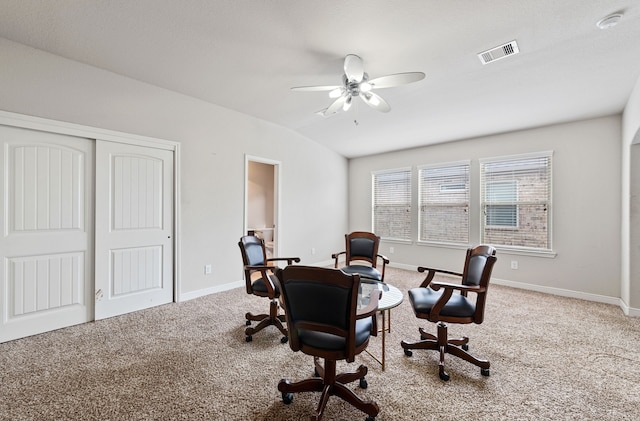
(276, 197)
(53, 126)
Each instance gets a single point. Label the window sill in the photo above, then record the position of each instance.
(443, 245)
(395, 241)
(548, 254)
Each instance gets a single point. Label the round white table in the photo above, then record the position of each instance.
(391, 297)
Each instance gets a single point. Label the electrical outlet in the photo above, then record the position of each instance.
(514, 264)
(391, 250)
(207, 269)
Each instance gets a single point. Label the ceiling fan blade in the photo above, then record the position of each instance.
(336, 105)
(353, 68)
(376, 102)
(397, 79)
(315, 88)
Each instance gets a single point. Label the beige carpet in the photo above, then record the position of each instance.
(551, 358)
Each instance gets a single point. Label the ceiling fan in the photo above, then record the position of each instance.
(356, 83)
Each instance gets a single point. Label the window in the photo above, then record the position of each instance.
(392, 204)
(444, 203)
(516, 201)
(501, 215)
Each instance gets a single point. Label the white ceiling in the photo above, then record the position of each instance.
(246, 55)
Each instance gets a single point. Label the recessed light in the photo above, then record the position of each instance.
(609, 21)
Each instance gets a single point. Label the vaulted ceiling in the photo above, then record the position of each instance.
(246, 55)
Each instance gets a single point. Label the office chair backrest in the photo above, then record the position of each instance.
(253, 252)
(319, 299)
(362, 245)
(476, 265)
(477, 271)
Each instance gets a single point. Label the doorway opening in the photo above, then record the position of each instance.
(262, 200)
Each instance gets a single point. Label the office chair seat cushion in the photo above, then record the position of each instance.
(330, 342)
(259, 286)
(423, 299)
(364, 271)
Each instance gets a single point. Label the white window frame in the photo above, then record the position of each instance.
(457, 169)
(403, 196)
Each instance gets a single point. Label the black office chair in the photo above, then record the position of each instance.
(321, 312)
(436, 302)
(261, 281)
(362, 247)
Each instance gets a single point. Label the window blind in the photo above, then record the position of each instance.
(392, 204)
(444, 203)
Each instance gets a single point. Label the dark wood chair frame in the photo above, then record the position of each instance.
(441, 342)
(372, 259)
(326, 380)
(267, 274)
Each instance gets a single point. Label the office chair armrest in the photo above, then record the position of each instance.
(385, 261)
(431, 273)
(436, 285)
(261, 268)
(271, 289)
(371, 310)
(288, 259)
(335, 256)
(446, 295)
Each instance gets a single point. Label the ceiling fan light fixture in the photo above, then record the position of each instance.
(355, 82)
(365, 87)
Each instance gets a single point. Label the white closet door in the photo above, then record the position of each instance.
(134, 228)
(47, 226)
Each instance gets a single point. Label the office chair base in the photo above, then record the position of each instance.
(271, 319)
(330, 383)
(441, 343)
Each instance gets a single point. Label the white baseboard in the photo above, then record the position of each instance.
(186, 296)
(629, 311)
(633, 312)
(558, 291)
(324, 263)
(403, 266)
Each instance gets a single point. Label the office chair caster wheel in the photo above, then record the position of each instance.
(484, 371)
(443, 376)
(248, 338)
(248, 323)
(408, 352)
(287, 398)
(284, 339)
(363, 383)
(370, 418)
(465, 347)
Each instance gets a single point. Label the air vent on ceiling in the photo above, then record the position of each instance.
(497, 53)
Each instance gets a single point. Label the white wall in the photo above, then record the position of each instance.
(214, 141)
(586, 204)
(631, 201)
